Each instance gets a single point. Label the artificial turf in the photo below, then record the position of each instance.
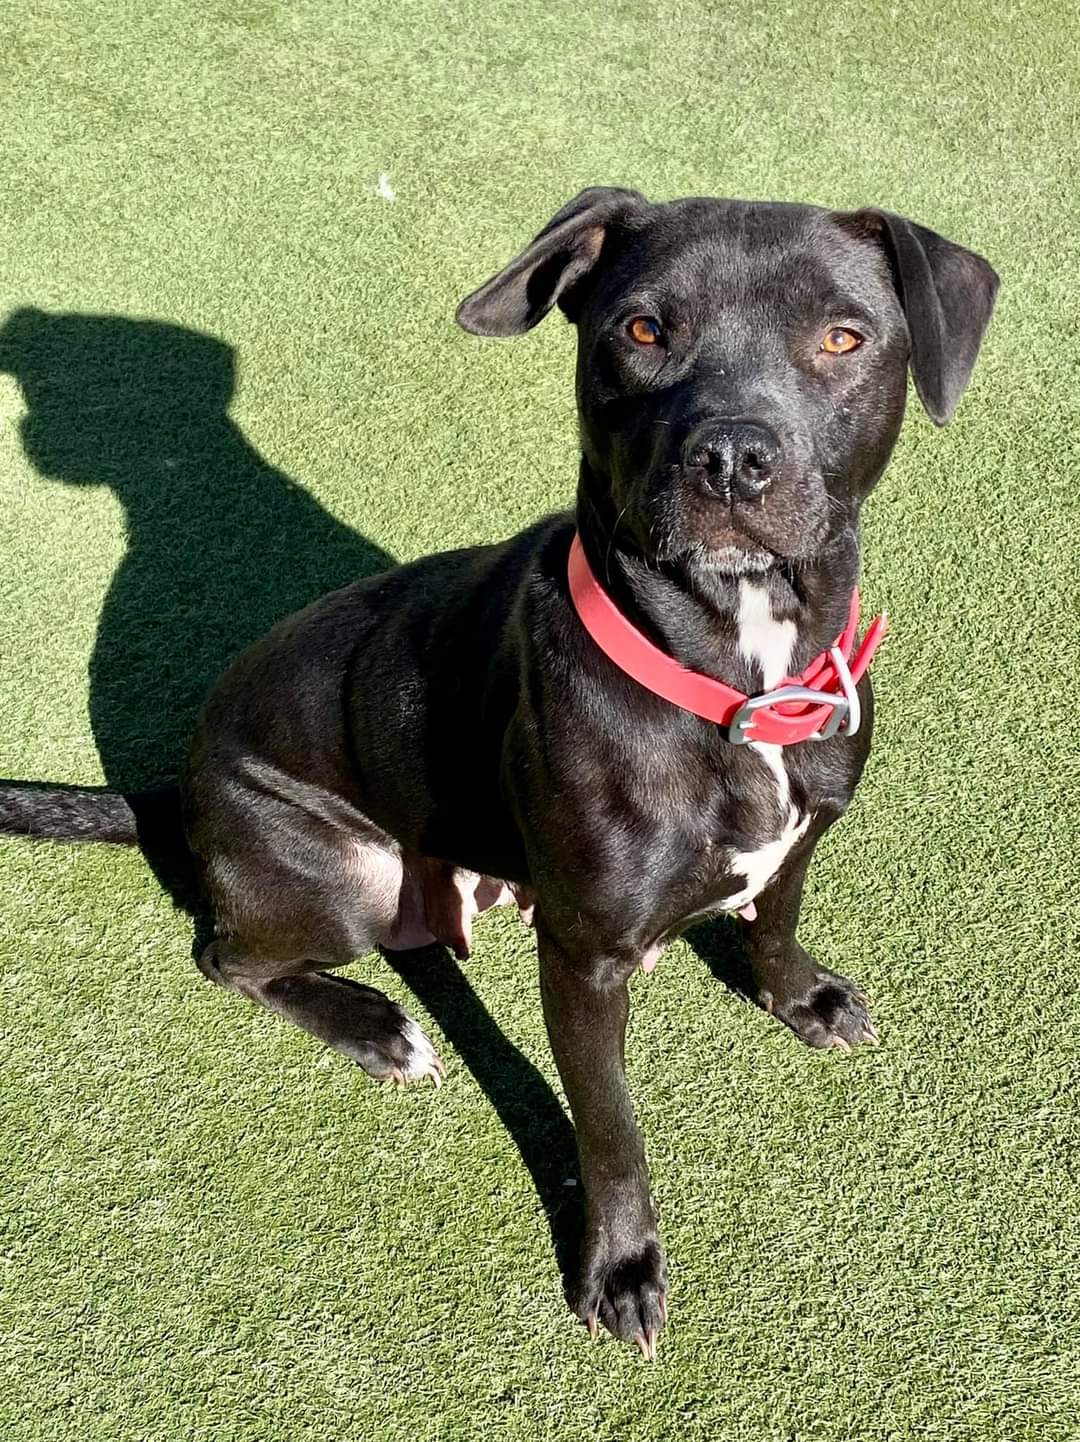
(234, 236)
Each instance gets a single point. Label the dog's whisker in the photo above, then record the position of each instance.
(611, 542)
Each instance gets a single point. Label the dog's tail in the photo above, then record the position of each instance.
(90, 813)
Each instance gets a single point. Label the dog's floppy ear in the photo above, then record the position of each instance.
(947, 294)
(566, 249)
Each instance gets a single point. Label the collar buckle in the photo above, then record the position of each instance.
(845, 717)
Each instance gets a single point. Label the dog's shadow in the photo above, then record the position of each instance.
(220, 545)
(721, 944)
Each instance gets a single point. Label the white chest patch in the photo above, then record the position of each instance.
(768, 644)
(763, 640)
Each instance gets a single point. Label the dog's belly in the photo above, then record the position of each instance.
(435, 900)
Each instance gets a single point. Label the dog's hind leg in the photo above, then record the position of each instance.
(301, 895)
(358, 1021)
(292, 897)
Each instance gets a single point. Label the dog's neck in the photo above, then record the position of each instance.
(748, 630)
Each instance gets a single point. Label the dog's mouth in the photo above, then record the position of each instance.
(714, 535)
(738, 558)
(696, 529)
(735, 560)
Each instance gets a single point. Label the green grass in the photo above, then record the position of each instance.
(213, 1229)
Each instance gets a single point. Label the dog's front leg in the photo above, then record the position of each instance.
(820, 1006)
(623, 1279)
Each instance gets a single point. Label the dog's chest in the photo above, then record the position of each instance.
(776, 823)
(771, 815)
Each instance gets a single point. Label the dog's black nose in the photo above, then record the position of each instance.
(738, 457)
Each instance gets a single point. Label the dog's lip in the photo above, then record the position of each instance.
(730, 543)
(730, 553)
(738, 561)
(734, 530)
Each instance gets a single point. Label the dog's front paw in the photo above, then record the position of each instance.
(625, 1290)
(820, 1007)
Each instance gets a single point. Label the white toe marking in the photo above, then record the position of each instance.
(423, 1060)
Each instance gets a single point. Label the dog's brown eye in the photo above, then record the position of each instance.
(644, 330)
(839, 341)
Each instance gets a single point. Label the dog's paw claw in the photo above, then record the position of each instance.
(626, 1295)
(646, 1342)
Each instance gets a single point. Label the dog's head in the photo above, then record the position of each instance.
(741, 366)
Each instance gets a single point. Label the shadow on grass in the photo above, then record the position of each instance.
(521, 1097)
(220, 545)
(720, 943)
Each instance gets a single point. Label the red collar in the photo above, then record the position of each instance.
(814, 705)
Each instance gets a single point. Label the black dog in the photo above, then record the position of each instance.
(489, 723)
